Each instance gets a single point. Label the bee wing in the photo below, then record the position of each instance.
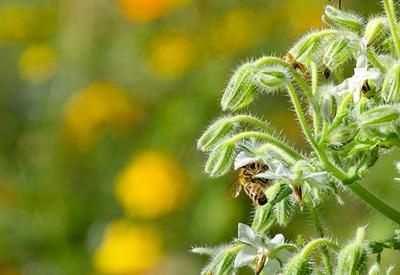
(233, 189)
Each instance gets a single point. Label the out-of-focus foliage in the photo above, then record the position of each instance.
(101, 104)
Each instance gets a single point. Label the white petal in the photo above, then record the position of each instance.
(374, 74)
(356, 96)
(247, 235)
(278, 240)
(242, 159)
(283, 255)
(267, 175)
(342, 86)
(245, 257)
(363, 45)
(271, 267)
(362, 62)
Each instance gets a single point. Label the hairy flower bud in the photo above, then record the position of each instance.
(270, 78)
(379, 115)
(328, 107)
(375, 30)
(303, 50)
(220, 160)
(214, 133)
(341, 19)
(241, 90)
(353, 257)
(336, 53)
(340, 137)
(391, 84)
(297, 265)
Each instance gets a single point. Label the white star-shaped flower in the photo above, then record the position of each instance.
(355, 83)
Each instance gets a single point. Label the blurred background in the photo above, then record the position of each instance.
(101, 104)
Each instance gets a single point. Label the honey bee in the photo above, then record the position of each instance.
(288, 58)
(252, 186)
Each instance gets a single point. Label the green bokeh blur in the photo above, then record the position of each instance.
(90, 87)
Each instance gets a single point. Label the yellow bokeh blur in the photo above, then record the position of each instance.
(128, 248)
(37, 63)
(237, 30)
(302, 17)
(14, 23)
(148, 10)
(151, 185)
(172, 54)
(99, 107)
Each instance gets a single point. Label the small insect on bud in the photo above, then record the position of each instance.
(343, 20)
(379, 115)
(336, 53)
(391, 84)
(241, 90)
(375, 30)
(220, 160)
(328, 107)
(214, 133)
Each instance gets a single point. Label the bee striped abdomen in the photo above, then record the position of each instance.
(256, 193)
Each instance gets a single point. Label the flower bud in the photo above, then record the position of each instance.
(341, 19)
(353, 257)
(297, 265)
(379, 115)
(270, 78)
(214, 133)
(241, 90)
(375, 30)
(340, 137)
(303, 50)
(336, 53)
(328, 107)
(391, 85)
(220, 160)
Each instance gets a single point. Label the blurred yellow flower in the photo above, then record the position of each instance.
(37, 63)
(128, 248)
(151, 185)
(303, 16)
(171, 54)
(14, 22)
(237, 30)
(96, 109)
(148, 10)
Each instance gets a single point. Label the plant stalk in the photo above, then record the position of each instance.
(391, 15)
(320, 232)
(375, 203)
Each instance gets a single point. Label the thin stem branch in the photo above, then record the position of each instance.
(255, 121)
(391, 15)
(320, 233)
(317, 242)
(340, 175)
(270, 60)
(314, 88)
(375, 203)
(265, 136)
